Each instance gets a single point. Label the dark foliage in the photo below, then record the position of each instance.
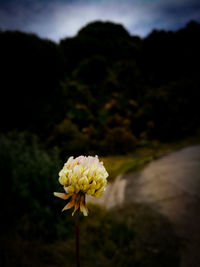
(28, 180)
(83, 93)
(31, 70)
(102, 91)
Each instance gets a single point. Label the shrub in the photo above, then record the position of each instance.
(69, 139)
(118, 141)
(28, 180)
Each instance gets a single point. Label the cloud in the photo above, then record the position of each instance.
(58, 19)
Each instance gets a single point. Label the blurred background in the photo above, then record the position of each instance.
(120, 79)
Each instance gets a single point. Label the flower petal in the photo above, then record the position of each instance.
(61, 195)
(68, 206)
(69, 189)
(83, 209)
(76, 207)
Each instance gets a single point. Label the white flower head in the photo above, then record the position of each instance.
(80, 176)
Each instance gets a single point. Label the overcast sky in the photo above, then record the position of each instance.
(57, 19)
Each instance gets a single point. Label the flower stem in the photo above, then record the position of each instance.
(77, 231)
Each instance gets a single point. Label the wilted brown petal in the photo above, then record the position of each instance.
(61, 195)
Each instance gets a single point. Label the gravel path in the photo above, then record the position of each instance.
(171, 185)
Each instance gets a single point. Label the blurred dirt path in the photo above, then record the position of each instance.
(171, 185)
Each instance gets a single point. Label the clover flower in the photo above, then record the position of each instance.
(81, 176)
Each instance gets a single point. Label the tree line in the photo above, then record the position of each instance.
(102, 91)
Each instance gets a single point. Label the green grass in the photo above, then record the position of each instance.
(133, 235)
(145, 153)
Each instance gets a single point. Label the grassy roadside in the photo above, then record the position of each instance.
(131, 235)
(145, 153)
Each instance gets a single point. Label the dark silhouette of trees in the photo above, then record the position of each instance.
(31, 70)
(100, 82)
